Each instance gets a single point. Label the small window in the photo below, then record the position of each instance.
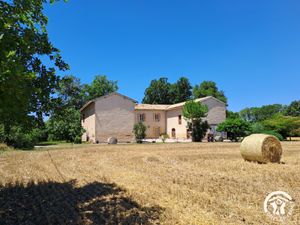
(179, 120)
(83, 117)
(156, 117)
(141, 117)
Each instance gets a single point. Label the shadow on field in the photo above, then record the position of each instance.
(63, 203)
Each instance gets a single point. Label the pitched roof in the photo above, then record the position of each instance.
(151, 107)
(105, 96)
(182, 103)
(168, 107)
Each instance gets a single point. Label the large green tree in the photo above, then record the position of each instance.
(258, 114)
(158, 92)
(209, 88)
(293, 109)
(100, 86)
(70, 93)
(65, 125)
(193, 112)
(287, 126)
(181, 91)
(26, 83)
(235, 128)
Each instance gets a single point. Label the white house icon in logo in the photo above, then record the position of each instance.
(278, 205)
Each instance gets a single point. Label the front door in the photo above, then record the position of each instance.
(156, 132)
(173, 133)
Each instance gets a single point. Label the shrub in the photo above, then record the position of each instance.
(199, 129)
(259, 128)
(235, 128)
(139, 130)
(77, 140)
(270, 132)
(18, 138)
(64, 125)
(2, 134)
(164, 137)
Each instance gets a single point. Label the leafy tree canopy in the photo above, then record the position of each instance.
(258, 114)
(181, 90)
(70, 92)
(209, 88)
(99, 87)
(287, 126)
(235, 128)
(65, 125)
(293, 109)
(232, 115)
(26, 83)
(194, 110)
(158, 92)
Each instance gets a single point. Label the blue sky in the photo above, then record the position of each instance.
(251, 49)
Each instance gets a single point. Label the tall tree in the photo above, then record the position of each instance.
(293, 109)
(70, 92)
(209, 88)
(99, 87)
(258, 114)
(65, 125)
(193, 112)
(158, 92)
(181, 91)
(287, 126)
(26, 83)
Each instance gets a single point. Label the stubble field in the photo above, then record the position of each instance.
(187, 183)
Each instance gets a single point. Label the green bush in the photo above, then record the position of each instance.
(64, 126)
(164, 137)
(2, 135)
(77, 140)
(199, 129)
(139, 130)
(18, 138)
(284, 125)
(235, 128)
(259, 128)
(274, 133)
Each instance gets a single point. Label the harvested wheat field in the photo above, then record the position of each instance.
(187, 183)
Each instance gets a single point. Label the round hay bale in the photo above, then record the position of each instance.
(112, 140)
(261, 148)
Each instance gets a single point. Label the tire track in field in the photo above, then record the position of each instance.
(56, 168)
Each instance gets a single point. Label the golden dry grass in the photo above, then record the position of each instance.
(187, 183)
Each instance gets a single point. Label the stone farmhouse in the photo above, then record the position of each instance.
(114, 115)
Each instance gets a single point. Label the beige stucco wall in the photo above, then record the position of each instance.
(172, 122)
(114, 118)
(216, 111)
(216, 114)
(151, 123)
(114, 115)
(88, 123)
